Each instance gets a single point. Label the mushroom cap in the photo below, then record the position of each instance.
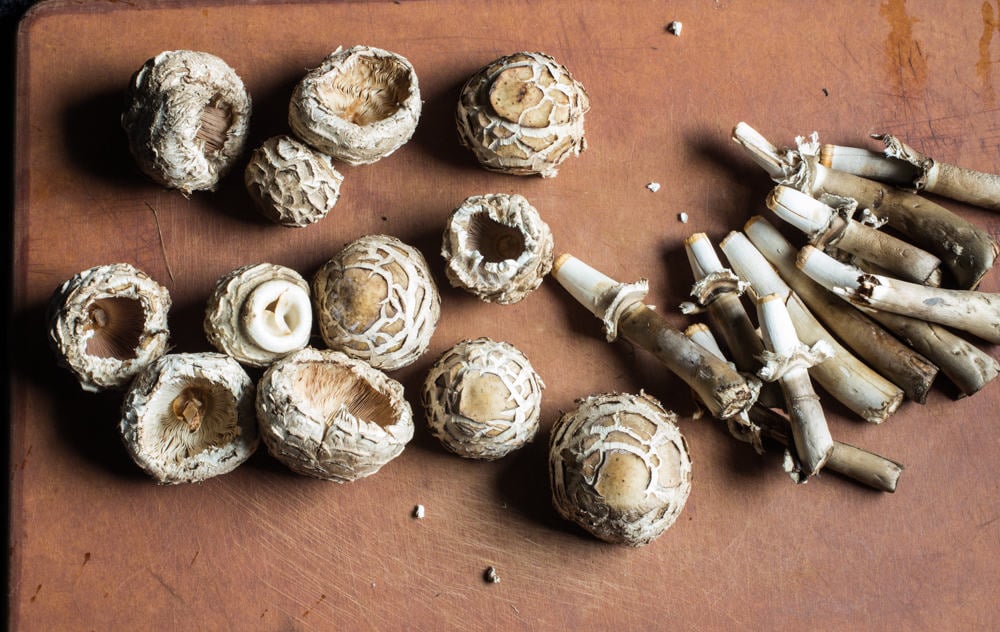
(619, 467)
(497, 247)
(107, 323)
(231, 307)
(375, 300)
(290, 183)
(189, 417)
(329, 416)
(523, 114)
(359, 105)
(187, 119)
(482, 399)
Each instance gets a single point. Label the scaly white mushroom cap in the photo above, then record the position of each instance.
(482, 399)
(189, 417)
(329, 416)
(291, 183)
(375, 300)
(619, 467)
(360, 105)
(259, 313)
(523, 114)
(107, 323)
(187, 119)
(497, 247)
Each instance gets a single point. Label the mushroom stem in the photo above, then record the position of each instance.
(846, 378)
(864, 467)
(904, 166)
(966, 250)
(977, 313)
(787, 363)
(619, 305)
(903, 366)
(826, 228)
(277, 316)
(718, 290)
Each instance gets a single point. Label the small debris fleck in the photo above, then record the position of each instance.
(674, 28)
(653, 186)
(419, 512)
(491, 576)
(826, 92)
(683, 217)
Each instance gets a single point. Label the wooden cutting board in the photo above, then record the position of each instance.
(95, 545)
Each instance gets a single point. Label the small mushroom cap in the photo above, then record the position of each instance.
(259, 313)
(375, 300)
(329, 416)
(482, 399)
(497, 247)
(360, 105)
(187, 119)
(189, 417)
(290, 183)
(619, 467)
(107, 323)
(523, 114)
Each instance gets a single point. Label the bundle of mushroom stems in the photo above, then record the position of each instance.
(871, 315)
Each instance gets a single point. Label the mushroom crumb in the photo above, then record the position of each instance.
(674, 28)
(653, 186)
(683, 218)
(491, 576)
(419, 512)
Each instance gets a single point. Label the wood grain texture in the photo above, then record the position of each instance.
(95, 545)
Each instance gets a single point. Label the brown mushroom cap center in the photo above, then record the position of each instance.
(495, 241)
(216, 119)
(622, 480)
(326, 389)
(484, 397)
(117, 325)
(360, 294)
(370, 89)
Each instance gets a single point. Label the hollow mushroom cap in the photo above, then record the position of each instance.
(523, 114)
(107, 323)
(259, 313)
(482, 399)
(619, 467)
(189, 417)
(497, 247)
(375, 300)
(187, 119)
(360, 105)
(290, 183)
(332, 417)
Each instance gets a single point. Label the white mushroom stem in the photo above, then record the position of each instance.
(619, 305)
(904, 166)
(977, 313)
(846, 378)
(966, 250)
(787, 363)
(861, 465)
(827, 228)
(277, 316)
(888, 356)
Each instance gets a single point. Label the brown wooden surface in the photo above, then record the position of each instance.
(96, 545)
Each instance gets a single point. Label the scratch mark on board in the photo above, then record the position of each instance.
(163, 247)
